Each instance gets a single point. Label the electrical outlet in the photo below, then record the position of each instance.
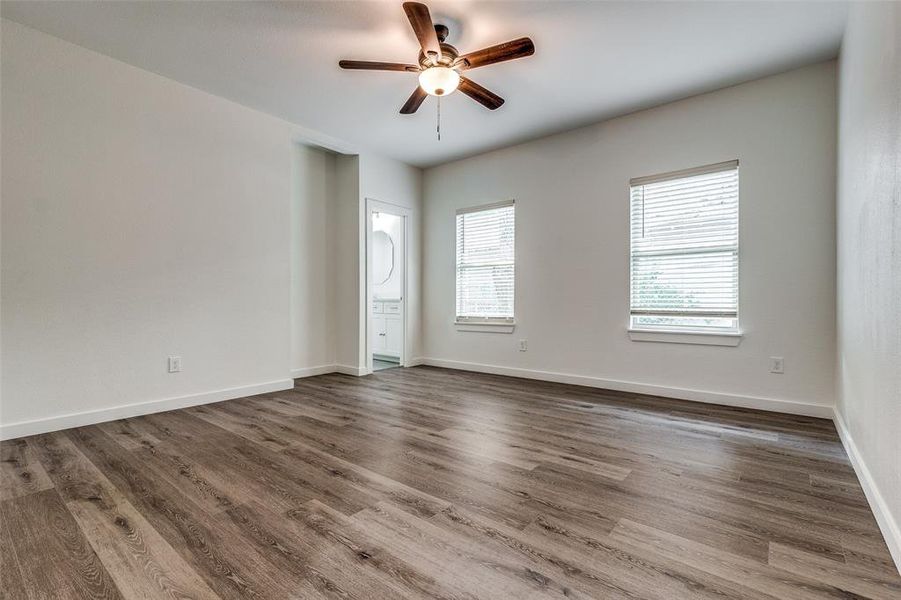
(174, 364)
(523, 345)
(777, 364)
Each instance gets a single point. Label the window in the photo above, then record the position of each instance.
(485, 267)
(684, 258)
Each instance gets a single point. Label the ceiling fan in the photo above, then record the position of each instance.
(440, 64)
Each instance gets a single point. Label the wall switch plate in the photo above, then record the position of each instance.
(174, 364)
(523, 345)
(777, 364)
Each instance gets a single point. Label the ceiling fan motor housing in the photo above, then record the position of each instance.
(449, 56)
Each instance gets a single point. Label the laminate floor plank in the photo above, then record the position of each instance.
(340, 441)
(854, 578)
(831, 512)
(138, 559)
(129, 434)
(643, 575)
(611, 574)
(274, 404)
(713, 520)
(227, 563)
(330, 568)
(288, 549)
(362, 404)
(210, 488)
(814, 529)
(12, 585)
(280, 481)
(55, 559)
(260, 433)
(868, 553)
(472, 567)
(376, 485)
(431, 483)
(337, 439)
(440, 410)
(373, 557)
(495, 444)
(838, 488)
(646, 540)
(189, 459)
(239, 468)
(20, 473)
(455, 487)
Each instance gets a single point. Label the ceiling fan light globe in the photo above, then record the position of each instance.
(439, 81)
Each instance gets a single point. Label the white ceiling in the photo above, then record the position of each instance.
(593, 60)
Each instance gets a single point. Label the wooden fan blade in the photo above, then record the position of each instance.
(495, 54)
(421, 21)
(368, 65)
(481, 95)
(414, 101)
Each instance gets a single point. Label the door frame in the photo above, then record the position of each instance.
(373, 206)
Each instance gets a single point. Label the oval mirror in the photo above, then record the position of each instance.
(382, 257)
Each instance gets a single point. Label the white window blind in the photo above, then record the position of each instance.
(684, 258)
(485, 266)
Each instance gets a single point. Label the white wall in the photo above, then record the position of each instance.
(349, 258)
(394, 182)
(572, 245)
(142, 218)
(313, 260)
(869, 256)
(360, 177)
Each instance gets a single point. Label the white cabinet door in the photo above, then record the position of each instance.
(378, 334)
(394, 331)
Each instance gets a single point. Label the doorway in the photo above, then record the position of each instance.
(386, 282)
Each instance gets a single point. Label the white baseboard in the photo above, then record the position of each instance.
(771, 404)
(325, 369)
(311, 371)
(348, 370)
(91, 417)
(10, 431)
(415, 362)
(884, 518)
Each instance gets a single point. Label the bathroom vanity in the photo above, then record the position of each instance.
(387, 328)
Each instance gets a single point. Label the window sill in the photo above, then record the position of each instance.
(485, 327)
(685, 337)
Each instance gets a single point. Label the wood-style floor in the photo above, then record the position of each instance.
(429, 483)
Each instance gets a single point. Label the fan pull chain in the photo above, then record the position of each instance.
(439, 118)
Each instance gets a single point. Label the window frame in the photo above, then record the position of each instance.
(708, 335)
(484, 323)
